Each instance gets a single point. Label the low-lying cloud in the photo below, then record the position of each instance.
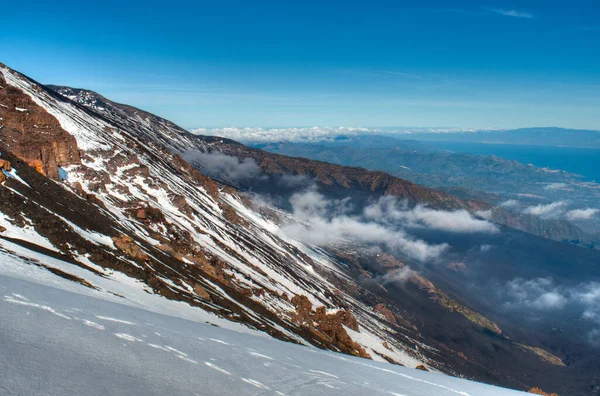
(399, 275)
(552, 210)
(582, 214)
(540, 293)
(325, 222)
(388, 209)
(510, 204)
(544, 295)
(223, 167)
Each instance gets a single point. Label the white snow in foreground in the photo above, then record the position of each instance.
(26, 233)
(58, 338)
(110, 286)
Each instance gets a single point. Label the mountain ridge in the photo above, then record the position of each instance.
(147, 213)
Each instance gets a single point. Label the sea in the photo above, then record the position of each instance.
(582, 161)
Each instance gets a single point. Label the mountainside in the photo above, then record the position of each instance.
(127, 204)
(473, 178)
(111, 197)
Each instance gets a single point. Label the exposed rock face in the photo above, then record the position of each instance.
(386, 312)
(34, 135)
(148, 214)
(328, 326)
(538, 391)
(422, 368)
(231, 215)
(181, 203)
(129, 247)
(347, 319)
(201, 292)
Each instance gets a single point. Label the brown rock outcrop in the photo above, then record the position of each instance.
(148, 214)
(386, 312)
(231, 215)
(538, 391)
(201, 292)
(327, 326)
(129, 247)
(181, 203)
(34, 135)
(347, 319)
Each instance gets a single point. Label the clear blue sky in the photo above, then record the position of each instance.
(298, 63)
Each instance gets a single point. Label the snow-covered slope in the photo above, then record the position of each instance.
(95, 193)
(62, 338)
(188, 238)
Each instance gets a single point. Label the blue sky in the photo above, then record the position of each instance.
(296, 63)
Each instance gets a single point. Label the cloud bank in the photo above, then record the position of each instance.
(324, 222)
(388, 209)
(582, 214)
(551, 211)
(311, 134)
(301, 134)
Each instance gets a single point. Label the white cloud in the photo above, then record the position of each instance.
(388, 209)
(549, 211)
(319, 134)
(537, 293)
(511, 203)
(543, 294)
(555, 186)
(399, 275)
(223, 167)
(582, 214)
(324, 222)
(300, 134)
(554, 210)
(512, 13)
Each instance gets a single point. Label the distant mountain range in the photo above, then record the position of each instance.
(542, 136)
